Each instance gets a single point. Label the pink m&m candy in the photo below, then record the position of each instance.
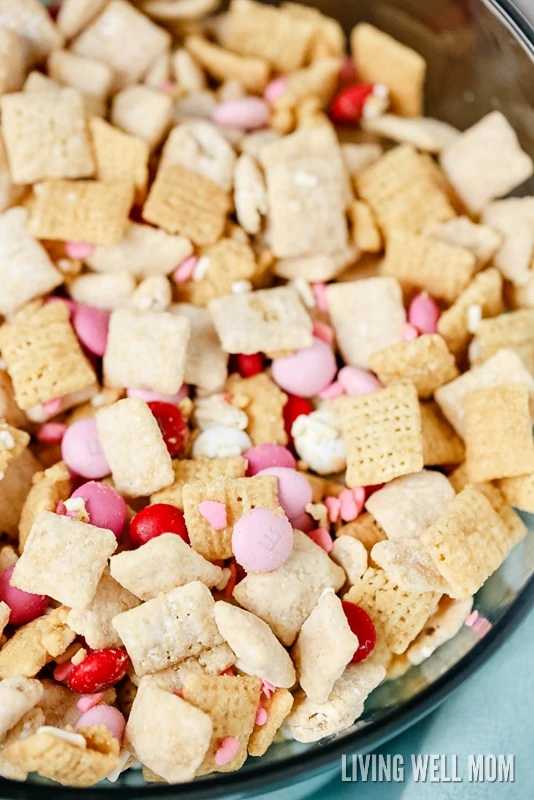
(103, 714)
(105, 506)
(82, 452)
(294, 490)
(356, 381)
(268, 455)
(24, 606)
(51, 432)
(306, 372)
(155, 397)
(91, 326)
(79, 250)
(249, 113)
(275, 89)
(424, 313)
(261, 540)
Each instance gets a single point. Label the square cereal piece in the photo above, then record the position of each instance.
(383, 435)
(64, 559)
(144, 251)
(519, 491)
(232, 703)
(224, 65)
(513, 331)
(173, 626)
(263, 403)
(119, 158)
(468, 543)
(408, 505)
(29, 20)
(201, 469)
(486, 162)
(409, 565)
(43, 356)
(513, 218)
(87, 75)
(168, 735)
(424, 263)
(278, 707)
(124, 39)
(502, 369)
(94, 622)
(440, 628)
(12, 442)
(181, 201)
(224, 265)
(202, 148)
(163, 563)
(206, 363)
(380, 58)
(142, 112)
(10, 193)
(132, 442)
(481, 240)
(403, 192)
(318, 268)
(26, 270)
(146, 350)
(425, 362)
(398, 615)
(425, 133)
(75, 15)
(273, 34)
(46, 136)
(365, 529)
(285, 597)
(12, 61)
(367, 315)
(81, 211)
(35, 644)
(514, 524)
(268, 320)
(306, 203)
(482, 297)
(498, 433)
(239, 495)
(5, 612)
(441, 444)
(14, 488)
(365, 232)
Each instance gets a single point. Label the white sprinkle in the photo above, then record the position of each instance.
(241, 287)
(74, 504)
(201, 268)
(474, 315)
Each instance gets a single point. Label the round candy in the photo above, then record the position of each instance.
(306, 372)
(24, 606)
(424, 313)
(91, 326)
(294, 408)
(347, 106)
(79, 250)
(154, 520)
(82, 451)
(172, 424)
(100, 670)
(250, 365)
(356, 381)
(105, 506)
(261, 540)
(362, 626)
(275, 89)
(51, 432)
(249, 113)
(304, 523)
(294, 490)
(155, 397)
(268, 455)
(103, 714)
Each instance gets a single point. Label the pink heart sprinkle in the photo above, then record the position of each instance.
(184, 272)
(227, 750)
(334, 389)
(319, 290)
(321, 330)
(351, 501)
(215, 513)
(261, 716)
(321, 537)
(79, 250)
(267, 688)
(409, 332)
(333, 505)
(62, 671)
(52, 407)
(89, 701)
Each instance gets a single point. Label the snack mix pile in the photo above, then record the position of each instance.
(267, 363)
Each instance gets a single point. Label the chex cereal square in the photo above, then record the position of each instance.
(226, 65)
(143, 112)
(277, 707)
(64, 558)
(81, 211)
(498, 433)
(33, 24)
(181, 201)
(365, 529)
(519, 491)
(26, 270)
(87, 75)
(35, 644)
(383, 435)
(200, 469)
(263, 402)
(146, 350)
(46, 136)
(47, 490)
(206, 363)
(119, 157)
(441, 443)
(268, 320)
(408, 564)
(12, 442)
(425, 362)
(514, 331)
(468, 543)
(43, 356)
(133, 445)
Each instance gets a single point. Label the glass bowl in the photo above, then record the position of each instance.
(481, 56)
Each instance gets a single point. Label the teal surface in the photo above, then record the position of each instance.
(490, 714)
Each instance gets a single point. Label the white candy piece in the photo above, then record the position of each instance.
(215, 411)
(221, 442)
(350, 554)
(319, 442)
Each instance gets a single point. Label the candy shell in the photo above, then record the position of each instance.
(24, 606)
(264, 456)
(79, 250)
(248, 113)
(262, 540)
(424, 313)
(103, 714)
(105, 506)
(51, 432)
(227, 750)
(275, 89)
(356, 381)
(321, 537)
(91, 326)
(82, 452)
(306, 372)
(184, 271)
(294, 490)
